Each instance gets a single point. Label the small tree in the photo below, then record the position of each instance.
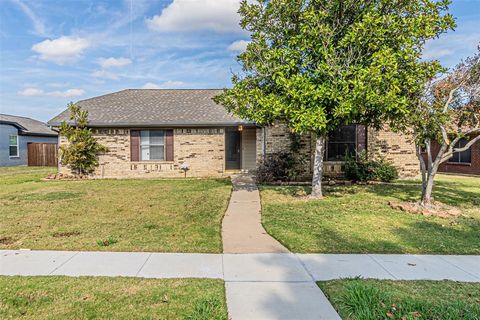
(81, 151)
(448, 112)
(317, 64)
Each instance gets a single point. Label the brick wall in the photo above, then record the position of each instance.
(464, 168)
(397, 148)
(278, 139)
(202, 148)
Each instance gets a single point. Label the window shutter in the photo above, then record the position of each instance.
(169, 145)
(134, 145)
(361, 138)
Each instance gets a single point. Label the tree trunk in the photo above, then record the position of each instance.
(431, 171)
(423, 168)
(427, 193)
(318, 167)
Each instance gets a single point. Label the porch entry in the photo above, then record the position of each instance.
(240, 148)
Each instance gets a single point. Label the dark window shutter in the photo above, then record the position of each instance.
(169, 145)
(361, 138)
(134, 145)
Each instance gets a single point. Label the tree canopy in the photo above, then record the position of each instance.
(316, 64)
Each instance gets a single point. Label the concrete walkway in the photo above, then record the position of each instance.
(263, 280)
(266, 267)
(242, 230)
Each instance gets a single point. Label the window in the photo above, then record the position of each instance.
(461, 157)
(341, 142)
(152, 145)
(13, 146)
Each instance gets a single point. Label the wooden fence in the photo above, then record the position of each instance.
(42, 154)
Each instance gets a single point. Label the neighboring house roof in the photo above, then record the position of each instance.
(27, 126)
(154, 107)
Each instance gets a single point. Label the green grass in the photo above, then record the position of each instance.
(116, 215)
(403, 300)
(358, 219)
(111, 298)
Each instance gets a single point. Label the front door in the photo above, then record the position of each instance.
(232, 149)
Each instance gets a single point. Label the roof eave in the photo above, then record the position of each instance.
(165, 125)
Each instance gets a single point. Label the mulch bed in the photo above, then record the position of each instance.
(436, 209)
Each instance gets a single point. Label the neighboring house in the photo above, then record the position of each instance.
(16, 133)
(152, 133)
(467, 162)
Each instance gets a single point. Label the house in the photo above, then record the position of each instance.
(18, 135)
(154, 132)
(466, 162)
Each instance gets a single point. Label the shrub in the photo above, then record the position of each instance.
(80, 154)
(281, 166)
(363, 169)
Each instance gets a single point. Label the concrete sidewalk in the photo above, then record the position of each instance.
(258, 286)
(267, 267)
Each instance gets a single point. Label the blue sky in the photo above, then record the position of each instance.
(56, 51)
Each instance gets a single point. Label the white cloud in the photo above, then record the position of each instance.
(238, 46)
(194, 15)
(67, 93)
(61, 50)
(58, 84)
(31, 92)
(105, 75)
(35, 92)
(113, 62)
(432, 53)
(38, 24)
(165, 85)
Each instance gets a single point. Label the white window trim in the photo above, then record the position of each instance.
(11, 145)
(140, 145)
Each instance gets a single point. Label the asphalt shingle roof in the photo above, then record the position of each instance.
(28, 126)
(154, 107)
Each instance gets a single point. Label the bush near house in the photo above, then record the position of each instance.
(364, 169)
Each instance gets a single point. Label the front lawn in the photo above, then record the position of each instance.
(402, 300)
(111, 298)
(111, 215)
(358, 219)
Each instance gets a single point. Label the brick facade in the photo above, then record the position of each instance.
(202, 148)
(395, 147)
(204, 151)
(472, 168)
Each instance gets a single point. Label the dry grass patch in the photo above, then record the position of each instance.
(114, 215)
(111, 298)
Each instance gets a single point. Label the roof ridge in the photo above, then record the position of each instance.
(103, 95)
(12, 115)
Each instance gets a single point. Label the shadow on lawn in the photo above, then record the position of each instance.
(445, 192)
(450, 193)
(420, 236)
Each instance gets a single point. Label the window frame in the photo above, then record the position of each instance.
(11, 145)
(458, 155)
(164, 145)
(328, 142)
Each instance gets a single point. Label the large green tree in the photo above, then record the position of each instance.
(317, 64)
